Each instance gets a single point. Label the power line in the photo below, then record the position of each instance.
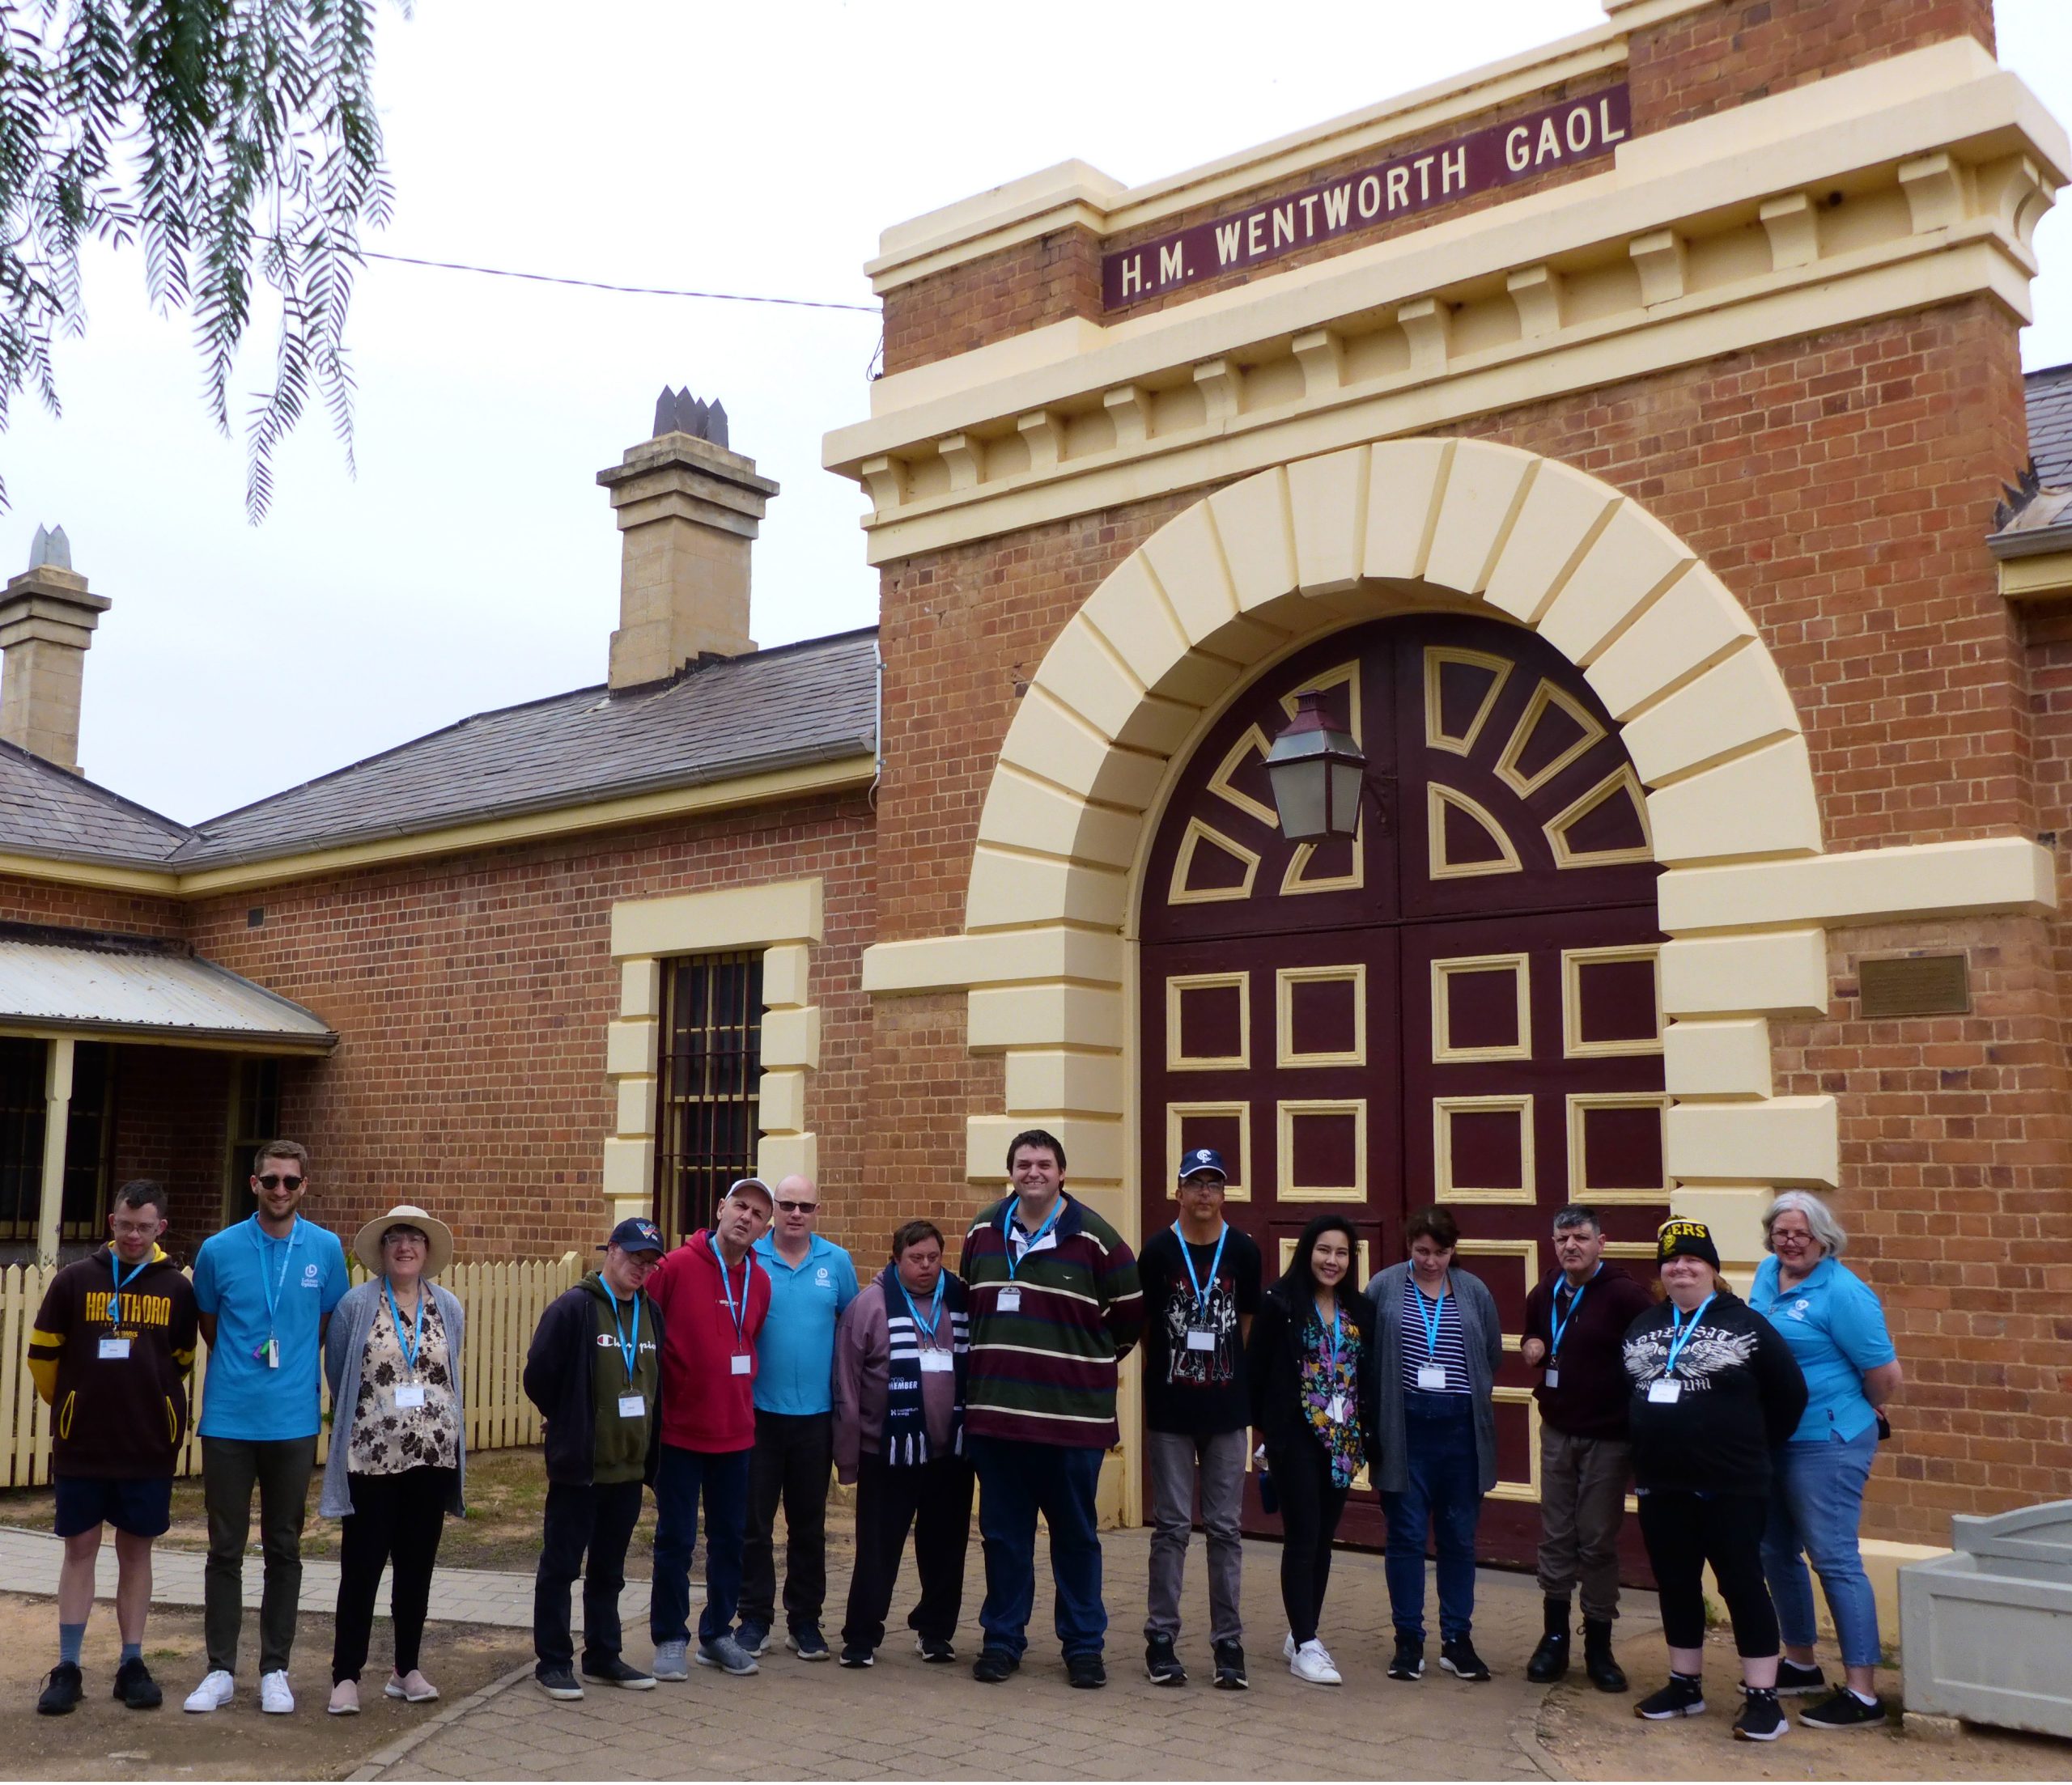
(600, 284)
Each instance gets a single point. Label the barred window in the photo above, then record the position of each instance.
(89, 1137)
(706, 1114)
(21, 1136)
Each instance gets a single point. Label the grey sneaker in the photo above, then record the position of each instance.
(724, 1653)
(672, 1660)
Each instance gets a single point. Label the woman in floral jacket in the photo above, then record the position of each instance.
(1310, 1364)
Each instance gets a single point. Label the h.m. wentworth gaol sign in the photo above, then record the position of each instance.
(1555, 136)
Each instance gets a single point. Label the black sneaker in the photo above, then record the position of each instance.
(135, 1687)
(1231, 1667)
(1845, 1710)
(61, 1691)
(1458, 1658)
(1086, 1672)
(754, 1636)
(1409, 1662)
(994, 1665)
(614, 1670)
(937, 1649)
(855, 1655)
(1161, 1663)
(557, 1682)
(1760, 1718)
(1794, 1681)
(1683, 1697)
(808, 1643)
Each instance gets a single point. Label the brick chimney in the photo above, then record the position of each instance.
(47, 621)
(687, 508)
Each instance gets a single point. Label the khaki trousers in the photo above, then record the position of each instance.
(1582, 1499)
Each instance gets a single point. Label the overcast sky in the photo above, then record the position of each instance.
(473, 563)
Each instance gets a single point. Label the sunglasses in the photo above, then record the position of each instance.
(273, 1181)
(794, 1208)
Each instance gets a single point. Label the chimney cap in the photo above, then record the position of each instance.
(678, 412)
(50, 549)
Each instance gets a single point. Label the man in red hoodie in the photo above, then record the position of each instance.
(714, 1300)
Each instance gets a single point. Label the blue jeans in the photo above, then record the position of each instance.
(1444, 1496)
(722, 1477)
(1017, 1481)
(1816, 1505)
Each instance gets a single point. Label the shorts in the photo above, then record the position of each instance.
(143, 1508)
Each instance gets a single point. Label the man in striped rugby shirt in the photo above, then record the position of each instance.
(1055, 1307)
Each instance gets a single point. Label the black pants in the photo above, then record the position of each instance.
(231, 1467)
(597, 1521)
(1684, 1532)
(395, 1519)
(934, 1501)
(1310, 1505)
(793, 1455)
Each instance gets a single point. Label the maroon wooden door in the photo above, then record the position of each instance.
(1457, 1006)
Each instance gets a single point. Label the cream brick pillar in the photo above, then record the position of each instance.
(687, 511)
(56, 1126)
(47, 621)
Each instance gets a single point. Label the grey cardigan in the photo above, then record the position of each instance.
(1483, 1340)
(345, 1344)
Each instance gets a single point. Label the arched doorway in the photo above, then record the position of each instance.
(1460, 1005)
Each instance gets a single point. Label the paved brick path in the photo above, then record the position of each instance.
(905, 1720)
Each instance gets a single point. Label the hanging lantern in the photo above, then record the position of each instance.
(1317, 772)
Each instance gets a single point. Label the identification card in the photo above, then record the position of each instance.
(1553, 1379)
(1009, 1301)
(1431, 1376)
(409, 1394)
(114, 1347)
(633, 1406)
(1337, 1410)
(1668, 1388)
(272, 1354)
(936, 1363)
(740, 1364)
(1201, 1338)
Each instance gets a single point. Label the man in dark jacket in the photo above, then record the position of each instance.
(1575, 1326)
(594, 1372)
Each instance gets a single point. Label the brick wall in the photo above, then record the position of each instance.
(171, 1106)
(993, 297)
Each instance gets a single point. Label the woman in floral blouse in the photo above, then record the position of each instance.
(398, 1441)
(1310, 1363)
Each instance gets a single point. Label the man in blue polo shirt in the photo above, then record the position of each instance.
(265, 1290)
(811, 1281)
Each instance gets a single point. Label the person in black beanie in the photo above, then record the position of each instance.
(1715, 1390)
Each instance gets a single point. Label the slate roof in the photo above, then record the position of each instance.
(2049, 392)
(788, 707)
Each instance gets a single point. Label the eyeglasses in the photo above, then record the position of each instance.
(273, 1181)
(796, 1208)
(148, 1227)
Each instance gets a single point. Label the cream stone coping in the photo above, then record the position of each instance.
(783, 918)
(2038, 578)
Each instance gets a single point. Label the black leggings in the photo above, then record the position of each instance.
(1683, 1532)
(1310, 1504)
(395, 1519)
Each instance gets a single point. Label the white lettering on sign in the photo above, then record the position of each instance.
(1172, 262)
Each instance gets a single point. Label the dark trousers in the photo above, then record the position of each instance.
(1683, 1532)
(395, 1519)
(934, 1500)
(793, 1456)
(591, 1521)
(1444, 1496)
(721, 1477)
(231, 1467)
(1310, 1506)
(1016, 1481)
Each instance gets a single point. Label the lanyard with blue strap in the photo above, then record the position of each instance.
(1187, 1257)
(934, 1307)
(1679, 1335)
(1560, 1323)
(1431, 1314)
(270, 1353)
(1036, 1238)
(121, 1283)
(417, 1331)
(628, 1349)
(740, 1315)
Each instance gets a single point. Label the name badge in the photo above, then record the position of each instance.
(114, 1347)
(1009, 1301)
(272, 1354)
(1337, 1410)
(633, 1406)
(409, 1394)
(1668, 1388)
(1553, 1379)
(741, 1365)
(1431, 1376)
(936, 1363)
(1201, 1338)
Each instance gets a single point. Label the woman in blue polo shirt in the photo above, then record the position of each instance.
(1832, 1320)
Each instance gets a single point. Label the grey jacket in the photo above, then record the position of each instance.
(345, 1344)
(1482, 1337)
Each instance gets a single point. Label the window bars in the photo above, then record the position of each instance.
(709, 1066)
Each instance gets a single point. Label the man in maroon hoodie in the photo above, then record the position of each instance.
(714, 1301)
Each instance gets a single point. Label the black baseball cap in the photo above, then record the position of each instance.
(635, 1235)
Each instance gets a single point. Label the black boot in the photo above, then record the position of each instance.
(1550, 1661)
(1605, 1674)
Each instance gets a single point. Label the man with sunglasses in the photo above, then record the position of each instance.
(264, 1289)
(811, 1281)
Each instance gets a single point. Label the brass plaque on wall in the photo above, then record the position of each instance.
(1917, 986)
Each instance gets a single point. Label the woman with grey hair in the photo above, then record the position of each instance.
(1832, 1321)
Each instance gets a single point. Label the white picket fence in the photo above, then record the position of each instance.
(503, 1301)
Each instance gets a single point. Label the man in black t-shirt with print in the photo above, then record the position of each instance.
(1199, 1300)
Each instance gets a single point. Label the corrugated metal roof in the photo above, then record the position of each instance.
(163, 995)
(2050, 393)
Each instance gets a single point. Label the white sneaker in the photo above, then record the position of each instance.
(1288, 1647)
(273, 1693)
(213, 1694)
(1313, 1663)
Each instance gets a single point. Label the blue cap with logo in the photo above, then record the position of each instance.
(635, 1235)
(1203, 1159)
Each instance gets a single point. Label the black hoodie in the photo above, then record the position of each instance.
(561, 1374)
(1740, 1394)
